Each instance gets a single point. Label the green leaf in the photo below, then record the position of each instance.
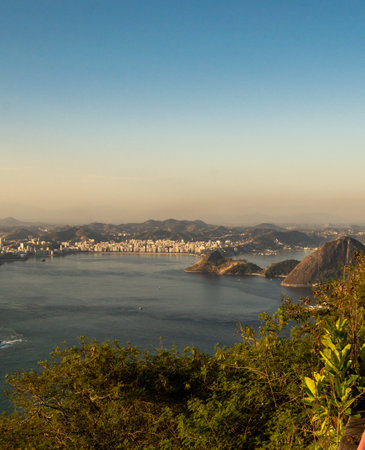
(311, 385)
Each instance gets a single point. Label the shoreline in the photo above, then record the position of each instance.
(87, 252)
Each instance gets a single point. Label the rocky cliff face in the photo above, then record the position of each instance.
(325, 264)
(217, 264)
(280, 269)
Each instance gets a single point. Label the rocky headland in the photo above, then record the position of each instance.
(280, 269)
(217, 264)
(325, 264)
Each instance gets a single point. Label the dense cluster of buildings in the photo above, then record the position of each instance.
(144, 246)
(36, 247)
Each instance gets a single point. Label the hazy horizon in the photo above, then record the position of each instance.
(224, 111)
(248, 220)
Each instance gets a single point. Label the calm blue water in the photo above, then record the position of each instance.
(136, 298)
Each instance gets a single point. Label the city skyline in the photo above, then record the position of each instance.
(229, 112)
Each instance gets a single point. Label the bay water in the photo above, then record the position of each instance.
(147, 300)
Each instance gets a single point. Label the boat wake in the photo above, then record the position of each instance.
(9, 337)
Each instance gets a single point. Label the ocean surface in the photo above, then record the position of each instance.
(143, 299)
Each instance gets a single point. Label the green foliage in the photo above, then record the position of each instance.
(256, 399)
(290, 385)
(103, 396)
(106, 396)
(336, 392)
(333, 391)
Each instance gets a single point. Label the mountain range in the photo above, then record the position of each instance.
(236, 240)
(256, 238)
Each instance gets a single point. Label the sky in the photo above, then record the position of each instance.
(228, 111)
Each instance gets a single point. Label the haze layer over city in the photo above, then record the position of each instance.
(231, 112)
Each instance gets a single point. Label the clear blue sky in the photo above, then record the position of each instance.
(221, 110)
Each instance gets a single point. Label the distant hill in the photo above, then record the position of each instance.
(324, 264)
(68, 233)
(268, 226)
(174, 229)
(10, 223)
(261, 239)
(18, 233)
(217, 264)
(169, 224)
